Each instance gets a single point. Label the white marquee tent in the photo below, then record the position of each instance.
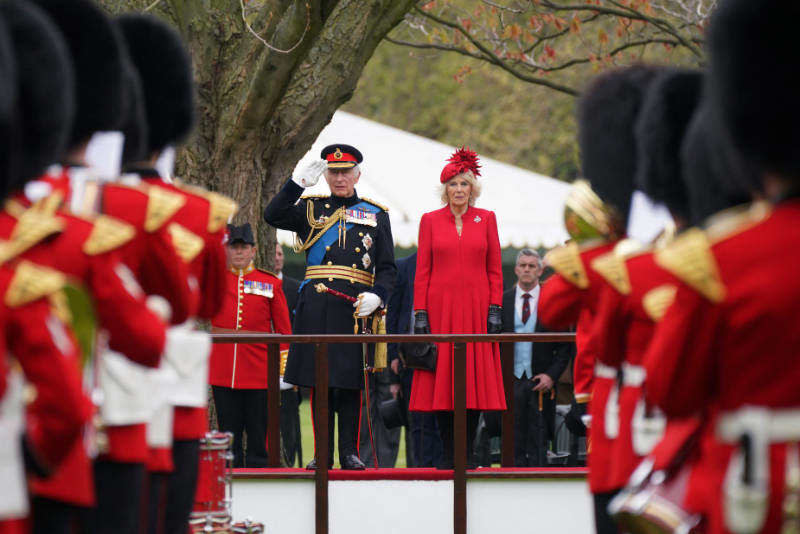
(401, 171)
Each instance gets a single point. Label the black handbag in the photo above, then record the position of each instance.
(420, 356)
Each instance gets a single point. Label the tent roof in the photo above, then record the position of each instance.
(401, 171)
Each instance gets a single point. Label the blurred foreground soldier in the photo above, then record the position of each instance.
(708, 350)
(349, 248)
(291, 397)
(196, 223)
(596, 218)
(253, 302)
(537, 366)
(86, 249)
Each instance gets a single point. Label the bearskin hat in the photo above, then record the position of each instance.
(96, 49)
(667, 110)
(165, 70)
(45, 87)
(607, 113)
(753, 81)
(134, 123)
(8, 96)
(708, 163)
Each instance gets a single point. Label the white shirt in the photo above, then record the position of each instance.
(534, 302)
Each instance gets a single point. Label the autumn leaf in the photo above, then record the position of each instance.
(575, 25)
(429, 5)
(602, 36)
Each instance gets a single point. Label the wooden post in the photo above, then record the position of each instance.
(321, 437)
(507, 432)
(273, 405)
(460, 438)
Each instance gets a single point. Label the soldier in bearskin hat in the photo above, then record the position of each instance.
(349, 248)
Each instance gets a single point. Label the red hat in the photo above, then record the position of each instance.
(461, 161)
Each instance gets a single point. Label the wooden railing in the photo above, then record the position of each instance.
(321, 437)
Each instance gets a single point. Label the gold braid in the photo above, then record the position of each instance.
(319, 226)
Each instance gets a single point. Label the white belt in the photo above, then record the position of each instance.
(776, 425)
(633, 375)
(602, 370)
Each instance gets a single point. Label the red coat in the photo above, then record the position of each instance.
(253, 301)
(637, 294)
(730, 339)
(570, 297)
(457, 278)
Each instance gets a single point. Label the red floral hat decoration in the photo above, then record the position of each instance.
(462, 160)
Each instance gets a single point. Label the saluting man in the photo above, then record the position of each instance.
(253, 301)
(349, 248)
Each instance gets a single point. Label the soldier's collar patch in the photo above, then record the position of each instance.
(358, 216)
(262, 289)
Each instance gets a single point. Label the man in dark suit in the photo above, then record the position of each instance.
(537, 366)
(425, 445)
(290, 395)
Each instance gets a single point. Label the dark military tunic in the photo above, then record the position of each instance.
(365, 245)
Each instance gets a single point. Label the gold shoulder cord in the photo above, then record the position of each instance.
(319, 226)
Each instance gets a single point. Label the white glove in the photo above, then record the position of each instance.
(309, 175)
(367, 303)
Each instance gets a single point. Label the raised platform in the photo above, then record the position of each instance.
(417, 500)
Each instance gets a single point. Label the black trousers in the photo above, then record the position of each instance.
(290, 427)
(533, 428)
(56, 517)
(602, 520)
(347, 403)
(447, 434)
(156, 485)
(387, 441)
(118, 487)
(181, 486)
(240, 411)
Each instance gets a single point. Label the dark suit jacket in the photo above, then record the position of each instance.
(549, 358)
(290, 289)
(401, 301)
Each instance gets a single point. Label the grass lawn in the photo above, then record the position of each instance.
(307, 434)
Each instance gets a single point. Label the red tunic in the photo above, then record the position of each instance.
(567, 300)
(731, 340)
(457, 278)
(253, 301)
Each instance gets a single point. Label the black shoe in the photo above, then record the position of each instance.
(312, 465)
(353, 463)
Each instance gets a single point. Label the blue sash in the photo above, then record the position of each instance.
(317, 251)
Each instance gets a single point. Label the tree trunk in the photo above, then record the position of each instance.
(260, 110)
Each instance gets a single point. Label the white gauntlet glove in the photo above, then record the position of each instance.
(367, 303)
(309, 175)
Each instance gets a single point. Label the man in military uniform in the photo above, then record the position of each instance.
(349, 247)
(253, 301)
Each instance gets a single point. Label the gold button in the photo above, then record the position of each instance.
(330, 279)
(352, 281)
(358, 249)
(327, 205)
(328, 247)
(354, 266)
(330, 263)
(360, 234)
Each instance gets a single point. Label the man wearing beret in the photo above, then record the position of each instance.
(349, 247)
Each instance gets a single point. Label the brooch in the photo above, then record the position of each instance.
(367, 241)
(366, 261)
(477, 218)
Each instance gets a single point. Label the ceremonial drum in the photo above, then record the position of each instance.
(212, 502)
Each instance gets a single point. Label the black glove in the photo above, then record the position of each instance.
(421, 323)
(494, 323)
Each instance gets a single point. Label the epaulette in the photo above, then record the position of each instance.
(222, 208)
(690, 259)
(161, 206)
(187, 244)
(107, 234)
(378, 204)
(566, 261)
(735, 220)
(31, 282)
(656, 301)
(267, 272)
(611, 266)
(32, 227)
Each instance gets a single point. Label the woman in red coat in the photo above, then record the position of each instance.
(458, 289)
